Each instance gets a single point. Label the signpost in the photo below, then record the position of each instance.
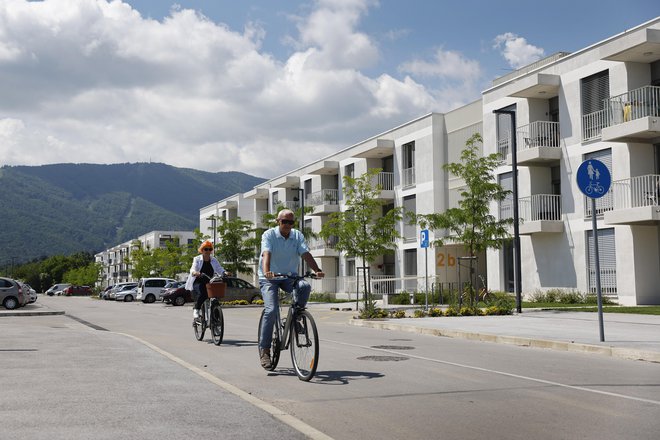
(424, 244)
(594, 180)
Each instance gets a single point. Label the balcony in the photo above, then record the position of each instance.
(287, 204)
(538, 214)
(257, 219)
(325, 201)
(385, 180)
(633, 116)
(593, 124)
(635, 201)
(536, 144)
(319, 247)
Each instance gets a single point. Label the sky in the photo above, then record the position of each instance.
(262, 87)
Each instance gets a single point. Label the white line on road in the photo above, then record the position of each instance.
(284, 417)
(487, 370)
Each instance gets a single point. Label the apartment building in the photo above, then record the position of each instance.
(115, 261)
(602, 102)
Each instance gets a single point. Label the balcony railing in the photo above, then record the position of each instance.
(540, 207)
(636, 191)
(385, 180)
(538, 134)
(289, 204)
(319, 243)
(323, 197)
(408, 177)
(257, 218)
(635, 104)
(593, 124)
(607, 281)
(503, 145)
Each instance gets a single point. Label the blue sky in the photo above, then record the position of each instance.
(220, 84)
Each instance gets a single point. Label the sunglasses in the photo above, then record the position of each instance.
(207, 249)
(287, 222)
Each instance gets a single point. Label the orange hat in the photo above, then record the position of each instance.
(206, 244)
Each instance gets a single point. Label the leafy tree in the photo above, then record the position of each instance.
(142, 261)
(169, 260)
(471, 224)
(236, 246)
(83, 276)
(362, 231)
(191, 250)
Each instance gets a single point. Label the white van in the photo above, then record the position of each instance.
(56, 289)
(151, 289)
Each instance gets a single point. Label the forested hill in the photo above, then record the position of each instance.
(65, 208)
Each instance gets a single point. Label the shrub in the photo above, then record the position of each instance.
(451, 311)
(572, 297)
(434, 311)
(397, 314)
(419, 313)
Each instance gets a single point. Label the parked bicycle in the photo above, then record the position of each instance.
(297, 330)
(210, 315)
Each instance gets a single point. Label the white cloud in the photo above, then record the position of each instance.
(94, 81)
(516, 50)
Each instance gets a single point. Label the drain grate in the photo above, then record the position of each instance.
(383, 358)
(393, 347)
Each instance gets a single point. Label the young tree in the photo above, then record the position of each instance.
(83, 276)
(471, 223)
(236, 246)
(361, 230)
(169, 260)
(142, 261)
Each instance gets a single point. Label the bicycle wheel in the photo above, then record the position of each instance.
(199, 325)
(217, 323)
(304, 345)
(275, 345)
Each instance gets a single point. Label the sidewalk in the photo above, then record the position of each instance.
(627, 336)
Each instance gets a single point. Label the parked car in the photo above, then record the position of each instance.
(105, 293)
(237, 289)
(11, 294)
(77, 291)
(126, 293)
(176, 293)
(31, 293)
(150, 289)
(56, 289)
(117, 287)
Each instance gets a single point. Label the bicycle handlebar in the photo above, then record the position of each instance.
(308, 274)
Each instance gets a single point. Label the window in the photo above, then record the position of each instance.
(595, 91)
(607, 261)
(504, 131)
(409, 206)
(308, 186)
(350, 268)
(410, 262)
(506, 205)
(408, 164)
(555, 181)
(349, 170)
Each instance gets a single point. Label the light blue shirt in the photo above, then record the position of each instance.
(285, 253)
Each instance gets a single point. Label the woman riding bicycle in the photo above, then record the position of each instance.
(281, 250)
(204, 264)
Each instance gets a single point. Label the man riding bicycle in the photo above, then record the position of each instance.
(281, 250)
(204, 264)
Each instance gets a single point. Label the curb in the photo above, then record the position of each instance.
(35, 313)
(616, 352)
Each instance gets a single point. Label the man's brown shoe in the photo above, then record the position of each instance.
(264, 357)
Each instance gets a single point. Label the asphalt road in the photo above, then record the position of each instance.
(371, 384)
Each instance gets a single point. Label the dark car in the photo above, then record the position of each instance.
(176, 294)
(77, 291)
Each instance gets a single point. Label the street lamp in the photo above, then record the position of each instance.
(301, 198)
(516, 232)
(213, 220)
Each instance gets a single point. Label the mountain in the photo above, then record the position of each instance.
(66, 208)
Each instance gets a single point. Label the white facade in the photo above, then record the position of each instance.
(114, 261)
(601, 102)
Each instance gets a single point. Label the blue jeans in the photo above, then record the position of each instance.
(269, 289)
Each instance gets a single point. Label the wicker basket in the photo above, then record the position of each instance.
(216, 289)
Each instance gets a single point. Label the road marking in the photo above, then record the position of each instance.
(502, 373)
(284, 417)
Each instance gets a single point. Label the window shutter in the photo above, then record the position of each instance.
(607, 253)
(595, 89)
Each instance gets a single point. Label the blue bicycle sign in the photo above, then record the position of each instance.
(593, 178)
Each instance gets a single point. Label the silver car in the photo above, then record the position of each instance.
(126, 293)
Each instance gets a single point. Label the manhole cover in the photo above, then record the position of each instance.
(393, 347)
(383, 358)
